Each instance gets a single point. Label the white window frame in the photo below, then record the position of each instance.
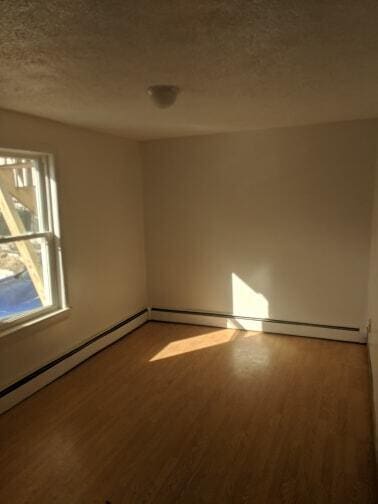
(50, 230)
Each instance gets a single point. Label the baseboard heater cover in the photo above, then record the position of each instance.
(34, 381)
(214, 319)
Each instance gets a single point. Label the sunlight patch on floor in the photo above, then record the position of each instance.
(201, 342)
(194, 343)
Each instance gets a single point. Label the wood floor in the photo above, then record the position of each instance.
(187, 414)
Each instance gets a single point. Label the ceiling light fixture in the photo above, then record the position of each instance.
(163, 95)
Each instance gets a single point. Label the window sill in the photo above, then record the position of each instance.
(55, 314)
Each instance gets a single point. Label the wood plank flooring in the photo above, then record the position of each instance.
(188, 414)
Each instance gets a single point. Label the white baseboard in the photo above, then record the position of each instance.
(373, 376)
(60, 366)
(50, 372)
(249, 324)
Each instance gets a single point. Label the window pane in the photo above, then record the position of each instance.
(24, 277)
(20, 206)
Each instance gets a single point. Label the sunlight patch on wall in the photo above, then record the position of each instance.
(249, 303)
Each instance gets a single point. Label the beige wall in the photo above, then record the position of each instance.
(100, 193)
(271, 223)
(373, 297)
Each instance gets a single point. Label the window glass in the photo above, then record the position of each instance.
(20, 199)
(24, 276)
(30, 268)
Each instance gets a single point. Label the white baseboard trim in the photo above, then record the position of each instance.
(30, 384)
(372, 359)
(38, 379)
(250, 324)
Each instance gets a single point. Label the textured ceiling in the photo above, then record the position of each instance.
(242, 64)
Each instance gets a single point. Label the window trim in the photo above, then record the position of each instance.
(51, 233)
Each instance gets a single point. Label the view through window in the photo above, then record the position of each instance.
(29, 269)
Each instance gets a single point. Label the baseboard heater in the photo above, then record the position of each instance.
(27, 385)
(42, 376)
(231, 321)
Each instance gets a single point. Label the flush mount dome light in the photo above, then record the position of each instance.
(163, 95)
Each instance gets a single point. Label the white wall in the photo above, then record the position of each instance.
(270, 223)
(101, 212)
(373, 298)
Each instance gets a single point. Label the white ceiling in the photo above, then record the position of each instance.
(241, 64)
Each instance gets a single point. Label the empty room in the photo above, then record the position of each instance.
(188, 252)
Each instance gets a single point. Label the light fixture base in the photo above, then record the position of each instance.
(163, 95)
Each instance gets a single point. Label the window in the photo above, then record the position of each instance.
(30, 256)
